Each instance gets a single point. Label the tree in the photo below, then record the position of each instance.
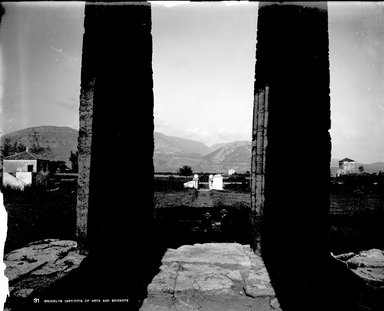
(361, 169)
(36, 147)
(185, 170)
(18, 147)
(7, 149)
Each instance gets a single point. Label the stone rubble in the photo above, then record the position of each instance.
(368, 265)
(35, 267)
(211, 276)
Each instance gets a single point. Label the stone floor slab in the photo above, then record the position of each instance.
(211, 276)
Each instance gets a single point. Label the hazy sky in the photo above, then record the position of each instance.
(356, 33)
(203, 63)
(40, 58)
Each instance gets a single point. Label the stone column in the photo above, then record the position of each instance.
(290, 163)
(115, 212)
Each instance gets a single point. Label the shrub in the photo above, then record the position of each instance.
(185, 170)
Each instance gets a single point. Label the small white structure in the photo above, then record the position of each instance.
(231, 172)
(192, 183)
(217, 183)
(196, 180)
(346, 167)
(189, 184)
(210, 182)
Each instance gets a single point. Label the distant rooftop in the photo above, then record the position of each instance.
(26, 155)
(346, 160)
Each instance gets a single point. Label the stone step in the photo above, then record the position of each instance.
(211, 276)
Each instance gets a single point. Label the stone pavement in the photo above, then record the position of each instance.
(211, 276)
(37, 266)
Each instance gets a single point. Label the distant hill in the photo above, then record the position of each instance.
(169, 155)
(372, 167)
(176, 145)
(173, 152)
(56, 142)
(216, 146)
(235, 155)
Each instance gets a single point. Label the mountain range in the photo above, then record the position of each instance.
(170, 152)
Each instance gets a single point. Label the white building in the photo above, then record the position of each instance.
(18, 168)
(217, 183)
(346, 167)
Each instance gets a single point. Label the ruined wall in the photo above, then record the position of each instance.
(290, 206)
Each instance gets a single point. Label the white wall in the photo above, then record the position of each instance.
(217, 182)
(26, 177)
(9, 180)
(13, 166)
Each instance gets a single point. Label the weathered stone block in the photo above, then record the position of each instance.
(211, 276)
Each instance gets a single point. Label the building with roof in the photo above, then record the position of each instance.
(346, 167)
(19, 168)
(25, 161)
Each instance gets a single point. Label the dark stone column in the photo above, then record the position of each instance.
(291, 198)
(116, 124)
(115, 201)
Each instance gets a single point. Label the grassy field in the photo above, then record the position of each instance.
(37, 214)
(187, 197)
(356, 222)
(231, 199)
(186, 216)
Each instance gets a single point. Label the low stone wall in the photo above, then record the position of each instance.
(37, 266)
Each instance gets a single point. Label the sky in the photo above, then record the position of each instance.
(356, 34)
(203, 68)
(40, 58)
